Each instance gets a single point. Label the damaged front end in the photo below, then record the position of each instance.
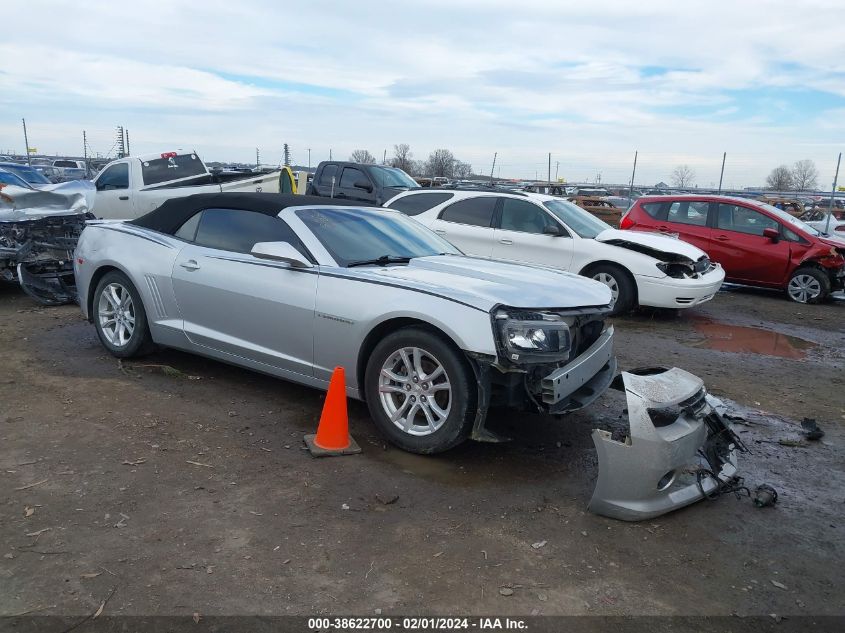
(678, 450)
(39, 231)
(551, 361)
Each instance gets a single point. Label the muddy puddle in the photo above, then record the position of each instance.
(723, 337)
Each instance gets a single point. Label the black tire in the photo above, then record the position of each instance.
(462, 395)
(624, 283)
(808, 285)
(140, 341)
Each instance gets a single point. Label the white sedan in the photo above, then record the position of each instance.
(639, 268)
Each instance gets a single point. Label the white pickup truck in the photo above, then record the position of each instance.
(130, 187)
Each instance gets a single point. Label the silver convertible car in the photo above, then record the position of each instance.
(292, 287)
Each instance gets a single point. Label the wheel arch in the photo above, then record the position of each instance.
(389, 326)
(584, 272)
(98, 274)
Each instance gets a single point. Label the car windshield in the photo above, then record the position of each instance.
(585, 224)
(8, 178)
(790, 219)
(27, 173)
(393, 177)
(359, 235)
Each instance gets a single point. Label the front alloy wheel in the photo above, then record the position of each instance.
(421, 390)
(609, 281)
(415, 391)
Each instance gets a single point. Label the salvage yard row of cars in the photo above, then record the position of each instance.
(439, 304)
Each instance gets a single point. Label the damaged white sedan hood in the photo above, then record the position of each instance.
(650, 242)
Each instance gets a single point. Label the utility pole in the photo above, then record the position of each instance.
(127, 143)
(26, 143)
(257, 158)
(493, 167)
(832, 195)
(287, 154)
(557, 166)
(722, 174)
(550, 168)
(121, 142)
(633, 175)
(309, 159)
(384, 158)
(330, 153)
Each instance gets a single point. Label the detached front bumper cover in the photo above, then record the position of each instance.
(679, 450)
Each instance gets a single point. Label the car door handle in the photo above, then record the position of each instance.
(123, 197)
(440, 231)
(722, 238)
(191, 264)
(504, 240)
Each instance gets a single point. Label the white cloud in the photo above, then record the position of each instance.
(581, 80)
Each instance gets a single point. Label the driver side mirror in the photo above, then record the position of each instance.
(280, 252)
(772, 234)
(364, 184)
(552, 230)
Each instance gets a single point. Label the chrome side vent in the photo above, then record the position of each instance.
(158, 304)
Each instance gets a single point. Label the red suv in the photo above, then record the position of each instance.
(756, 244)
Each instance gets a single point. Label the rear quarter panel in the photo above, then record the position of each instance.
(145, 257)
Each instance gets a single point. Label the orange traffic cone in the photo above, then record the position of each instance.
(332, 436)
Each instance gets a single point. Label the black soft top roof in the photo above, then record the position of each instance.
(174, 212)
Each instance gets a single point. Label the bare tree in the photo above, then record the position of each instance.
(362, 156)
(462, 169)
(683, 176)
(402, 156)
(441, 162)
(804, 175)
(780, 179)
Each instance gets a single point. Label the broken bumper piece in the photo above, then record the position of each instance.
(679, 450)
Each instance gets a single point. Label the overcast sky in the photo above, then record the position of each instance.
(590, 82)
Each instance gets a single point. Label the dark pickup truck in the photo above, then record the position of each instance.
(361, 182)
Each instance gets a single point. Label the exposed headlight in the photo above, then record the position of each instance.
(544, 337)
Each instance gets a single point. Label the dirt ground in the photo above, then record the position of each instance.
(187, 490)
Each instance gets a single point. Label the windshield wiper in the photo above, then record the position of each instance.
(380, 261)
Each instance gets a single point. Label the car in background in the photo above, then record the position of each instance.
(756, 244)
(63, 164)
(818, 219)
(530, 228)
(10, 178)
(27, 173)
(362, 182)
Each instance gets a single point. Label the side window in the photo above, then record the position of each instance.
(350, 176)
(238, 231)
(694, 213)
(657, 210)
(328, 172)
(115, 177)
(188, 230)
(419, 202)
(733, 217)
(472, 211)
(519, 215)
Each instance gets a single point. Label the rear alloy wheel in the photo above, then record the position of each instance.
(808, 285)
(418, 391)
(119, 317)
(620, 285)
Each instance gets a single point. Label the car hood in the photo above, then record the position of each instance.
(484, 283)
(653, 244)
(832, 240)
